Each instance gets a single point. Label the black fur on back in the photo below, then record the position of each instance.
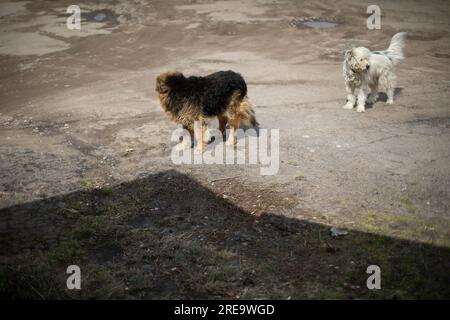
(211, 93)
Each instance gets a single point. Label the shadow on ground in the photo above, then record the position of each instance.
(168, 236)
(382, 97)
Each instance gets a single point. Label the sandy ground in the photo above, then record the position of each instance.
(78, 109)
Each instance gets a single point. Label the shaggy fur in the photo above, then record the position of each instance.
(370, 71)
(222, 94)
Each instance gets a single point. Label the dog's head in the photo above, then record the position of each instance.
(357, 59)
(165, 81)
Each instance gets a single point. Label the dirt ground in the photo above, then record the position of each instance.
(86, 176)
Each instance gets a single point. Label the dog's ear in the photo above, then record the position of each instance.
(166, 80)
(348, 53)
(161, 86)
(177, 75)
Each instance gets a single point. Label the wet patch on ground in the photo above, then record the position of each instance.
(314, 23)
(107, 16)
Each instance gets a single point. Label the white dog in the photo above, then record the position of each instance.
(365, 69)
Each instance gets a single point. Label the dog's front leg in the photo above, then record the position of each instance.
(351, 99)
(362, 95)
(187, 140)
(234, 125)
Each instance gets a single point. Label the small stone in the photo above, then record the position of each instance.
(335, 232)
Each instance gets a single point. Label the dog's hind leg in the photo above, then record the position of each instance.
(351, 99)
(390, 89)
(387, 80)
(390, 96)
(234, 125)
(373, 94)
(222, 124)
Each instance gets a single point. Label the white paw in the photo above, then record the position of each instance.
(360, 109)
(348, 106)
(390, 101)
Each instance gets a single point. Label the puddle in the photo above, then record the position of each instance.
(105, 16)
(320, 24)
(312, 23)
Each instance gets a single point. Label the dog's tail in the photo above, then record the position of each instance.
(247, 114)
(395, 50)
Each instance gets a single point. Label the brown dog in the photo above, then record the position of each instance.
(222, 94)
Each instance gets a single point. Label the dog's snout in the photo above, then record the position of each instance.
(367, 67)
